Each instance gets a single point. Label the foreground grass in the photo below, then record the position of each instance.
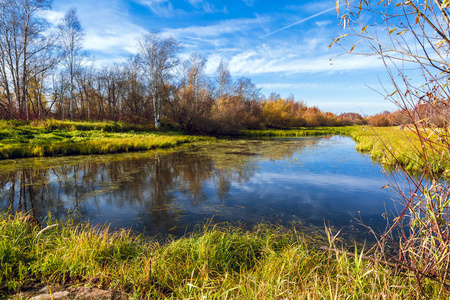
(215, 263)
(51, 138)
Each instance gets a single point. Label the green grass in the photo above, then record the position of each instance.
(298, 132)
(214, 263)
(51, 138)
(393, 146)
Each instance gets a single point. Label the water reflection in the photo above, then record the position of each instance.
(310, 180)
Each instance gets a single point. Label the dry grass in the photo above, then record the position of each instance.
(217, 262)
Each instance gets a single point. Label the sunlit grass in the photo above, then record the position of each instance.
(214, 263)
(51, 138)
(398, 146)
(391, 146)
(298, 132)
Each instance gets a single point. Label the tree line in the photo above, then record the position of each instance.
(45, 73)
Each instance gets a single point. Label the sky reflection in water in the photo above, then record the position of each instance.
(311, 180)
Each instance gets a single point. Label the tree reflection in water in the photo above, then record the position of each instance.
(157, 193)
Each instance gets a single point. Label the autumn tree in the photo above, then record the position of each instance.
(190, 104)
(135, 106)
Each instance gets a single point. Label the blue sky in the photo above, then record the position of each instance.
(282, 46)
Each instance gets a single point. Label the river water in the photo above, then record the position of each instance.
(308, 181)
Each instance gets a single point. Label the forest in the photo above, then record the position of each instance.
(45, 73)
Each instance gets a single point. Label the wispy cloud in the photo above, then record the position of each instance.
(266, 60)
(218, 29)
(205, 6)
(314, 86)
(195, 3)
(299, 22)
(112, 40)
(311, 7)
(163, 8)
(249, 2)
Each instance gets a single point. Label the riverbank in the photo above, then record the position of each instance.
(60, 138)
(391, 146)
(299, 132)
(216, 262)
(63, 138)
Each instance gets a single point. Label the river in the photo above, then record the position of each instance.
(308, 181)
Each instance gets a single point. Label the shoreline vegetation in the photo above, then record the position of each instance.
(216, 262)
(267, 262)
(60, 138)
(390, 146)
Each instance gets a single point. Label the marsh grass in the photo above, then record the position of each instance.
(399, 146)
(216, 262)
(51, 138)
(299, 132)
(391, 146)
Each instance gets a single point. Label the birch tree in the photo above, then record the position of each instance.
(26, 52)
(158, 57)
(71, 36)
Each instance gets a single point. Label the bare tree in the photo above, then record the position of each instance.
(71, 35)
(158, 57)
(23, 46)
(194, 79)
(223, 79)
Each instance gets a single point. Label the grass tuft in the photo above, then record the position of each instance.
(216, 262)
(53, 138)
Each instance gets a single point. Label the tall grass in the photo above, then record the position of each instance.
(399, 146)
(214, 263)
(420, 230)
(50, 138)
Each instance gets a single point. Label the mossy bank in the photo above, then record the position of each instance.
(53, 138)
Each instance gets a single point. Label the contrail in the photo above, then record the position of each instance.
(299, 22)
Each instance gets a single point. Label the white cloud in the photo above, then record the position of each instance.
(209, 8)
(314, 86)
(323, 23)
(249, 2)
(53, 17)
(311, 7)
(112, 39)
(299, 22)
